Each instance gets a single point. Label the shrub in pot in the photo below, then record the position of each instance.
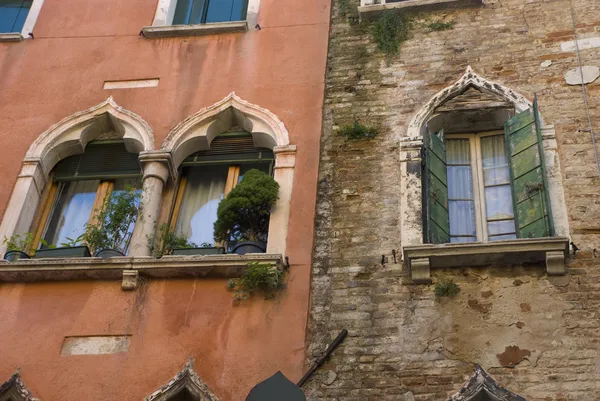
(173, 244)
(110, 234)
(17, 246)
(243, 216)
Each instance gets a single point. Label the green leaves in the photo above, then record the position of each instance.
(390, 30)
(244, 213)
(169, 240)
(357, 131)
(257, 277)
(18, 242)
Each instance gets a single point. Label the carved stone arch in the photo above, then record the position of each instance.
(66, 138)
(198, 130)
(469, 79)
(187, 382)
(482, 387)
(14, 390)
(70, 135)
(411, 224)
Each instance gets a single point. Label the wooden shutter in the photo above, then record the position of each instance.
(435, 191)
(533, 216)
(104, 160)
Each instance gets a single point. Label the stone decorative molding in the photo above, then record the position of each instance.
(469, 78)
(70, 135)
(370, 9)
(285, 156)
(552, 250)
(198, 130)
(147, 158)
(130, 280)
(482, 386)
(167, 31)
(185, 381)
(14, 390)
(127, 268)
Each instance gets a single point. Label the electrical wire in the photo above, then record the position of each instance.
(583, 88)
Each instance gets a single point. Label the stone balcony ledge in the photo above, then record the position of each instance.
(11, 37)
(371, 9)
(128, 268)
(552, 251)
(166, 31)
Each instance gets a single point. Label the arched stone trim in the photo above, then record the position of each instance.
(411, 224)
(14, 390)
(198, 130)
(70, 135)
(469, 78)
(482, 386)
(186, 380)
(66, 138)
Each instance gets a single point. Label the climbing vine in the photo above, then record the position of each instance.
(390, 31)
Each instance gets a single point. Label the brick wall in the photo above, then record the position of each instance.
(403, 342)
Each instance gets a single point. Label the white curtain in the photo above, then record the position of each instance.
(71, 211)
(198, 213)
(460, 191)
(498, 195)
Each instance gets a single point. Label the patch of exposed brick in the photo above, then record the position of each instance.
(525, 307)
(479, 307)
(486, 294)
(512, 356)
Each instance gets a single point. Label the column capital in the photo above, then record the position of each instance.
(158, 163)
(285, 156)
(33, 167)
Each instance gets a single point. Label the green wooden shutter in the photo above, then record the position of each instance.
(435, 191)
(102, 160)
(533, 216)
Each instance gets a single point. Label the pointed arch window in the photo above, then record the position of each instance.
(208, 176)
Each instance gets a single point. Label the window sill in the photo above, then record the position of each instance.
(367, 10)
(167, 31)
(11, 37)
(421, 258)
(129, 268)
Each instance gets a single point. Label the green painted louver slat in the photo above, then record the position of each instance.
(101, 160)
(528, 175)
(435, 183)
(230, 147)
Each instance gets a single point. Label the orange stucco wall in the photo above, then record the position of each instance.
(80, 44)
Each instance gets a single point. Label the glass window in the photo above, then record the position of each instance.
(71, 210)
(189, 12)
(13, 14)
(480, 202)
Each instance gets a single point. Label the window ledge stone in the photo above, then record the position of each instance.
(167, 31)
(552, 251)
(128, 269)
(11, 37)
(368, 10)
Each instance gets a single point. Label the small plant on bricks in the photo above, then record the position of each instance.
(446, 288)
(357, 131)
(257, 277)
(440, 26)
(390, 30)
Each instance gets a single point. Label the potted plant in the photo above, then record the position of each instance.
(17, 246)
(110, 235)
(72, 248)
(173, 244)
(243, 216)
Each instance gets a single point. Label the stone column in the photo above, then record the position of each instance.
(157, 168)
(285, 160)
(24, 201)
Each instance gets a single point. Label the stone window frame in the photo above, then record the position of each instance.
(14, 390)
(162, 25)
(27, 31)
(481, 384)
(416, 254)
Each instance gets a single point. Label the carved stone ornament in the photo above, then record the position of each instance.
(185, 382)
(14, 390)
(482, 387)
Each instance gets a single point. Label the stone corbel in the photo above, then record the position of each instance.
(130, 280)
(420, 271)
(555, 263)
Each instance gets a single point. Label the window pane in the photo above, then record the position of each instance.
(501, 227)
(462, 218)
(498, 202)
(462, 239)
(226, 10)
(71, 211)
(501, 237)
(9, 14)
(458, 151)
(119, 187)
(495, 164)
(205, 189)
(460, 182)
